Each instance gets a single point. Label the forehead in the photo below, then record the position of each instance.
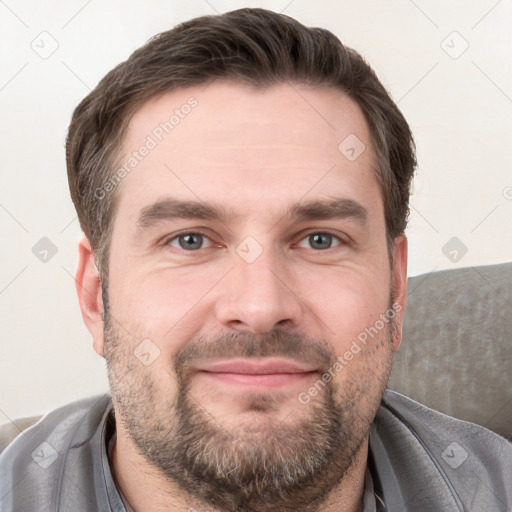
(227, 141)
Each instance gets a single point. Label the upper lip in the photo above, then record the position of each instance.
(259, 367)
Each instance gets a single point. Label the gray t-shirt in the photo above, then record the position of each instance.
(419, 461)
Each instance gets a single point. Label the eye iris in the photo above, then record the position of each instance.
(192, 241)
(320, 240)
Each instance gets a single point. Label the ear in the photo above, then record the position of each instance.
(399, 278)
(88, 288)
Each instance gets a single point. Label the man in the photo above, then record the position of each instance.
(243, 183)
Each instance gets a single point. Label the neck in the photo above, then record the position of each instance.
(147, 490)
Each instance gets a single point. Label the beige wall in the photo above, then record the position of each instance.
(460, 110)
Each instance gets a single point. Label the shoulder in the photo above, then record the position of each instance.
(33, 464)
(9, 431)
(24, 432)
(431, 424)
(456, 457)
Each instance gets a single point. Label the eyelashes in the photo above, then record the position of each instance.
(194, 241)
(188, 241)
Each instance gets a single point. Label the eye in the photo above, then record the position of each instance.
(320, 241)
(190, 241)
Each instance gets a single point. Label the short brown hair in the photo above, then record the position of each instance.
(251, 46)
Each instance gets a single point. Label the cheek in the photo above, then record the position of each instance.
(164, 306)
(349, 304)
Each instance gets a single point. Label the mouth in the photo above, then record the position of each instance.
(271, 373)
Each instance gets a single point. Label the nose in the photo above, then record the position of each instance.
(259, 296)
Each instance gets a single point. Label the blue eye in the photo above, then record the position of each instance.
(321, 241)
(193, 241)
(189, 241)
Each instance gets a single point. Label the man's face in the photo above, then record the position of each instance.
(219, 330)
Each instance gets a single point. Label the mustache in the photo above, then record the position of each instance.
(275, 343)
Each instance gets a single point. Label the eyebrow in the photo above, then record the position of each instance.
(169, 209)
(339, 208)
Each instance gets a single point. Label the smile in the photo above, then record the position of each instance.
(262, 373)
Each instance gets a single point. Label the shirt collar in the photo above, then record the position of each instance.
(116, 501)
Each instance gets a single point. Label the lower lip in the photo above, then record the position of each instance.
(260, 380)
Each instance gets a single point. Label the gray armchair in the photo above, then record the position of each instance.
(456, 353)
